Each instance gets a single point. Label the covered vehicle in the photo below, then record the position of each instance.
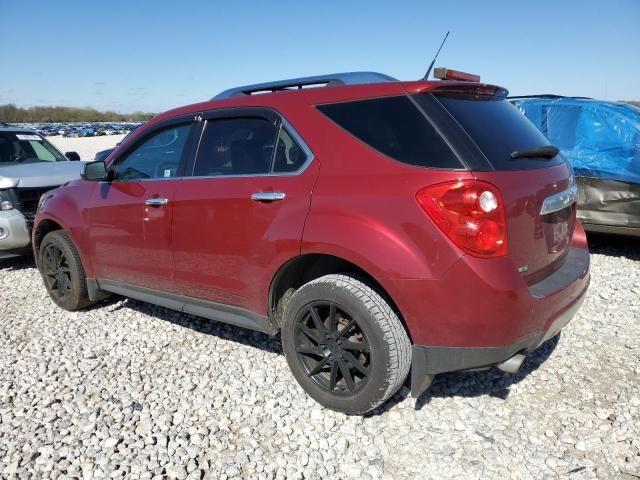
(601, 140)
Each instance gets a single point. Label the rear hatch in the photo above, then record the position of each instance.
(537, 186)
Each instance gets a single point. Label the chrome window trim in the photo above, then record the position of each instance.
(559, 201)
(290, 130)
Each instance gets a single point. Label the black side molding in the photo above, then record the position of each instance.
(195, 306)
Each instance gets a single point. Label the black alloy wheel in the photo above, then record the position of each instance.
(62, 272)
(332, 348)
(344, 344)
(56, 272)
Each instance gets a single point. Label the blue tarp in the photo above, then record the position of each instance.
(600, 139)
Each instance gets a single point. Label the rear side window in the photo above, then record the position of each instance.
(236, 146)
(289, 156)
(395, 127)
(498, 129)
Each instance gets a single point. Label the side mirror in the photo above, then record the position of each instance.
(72, 156)
(94, 171)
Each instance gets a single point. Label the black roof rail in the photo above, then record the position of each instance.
(329, 80)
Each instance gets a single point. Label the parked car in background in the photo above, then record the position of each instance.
(29, 167)
(382, 226)
(601, 139)
(102, 155)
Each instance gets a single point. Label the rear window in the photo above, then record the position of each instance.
(499, 129)
(395, 127)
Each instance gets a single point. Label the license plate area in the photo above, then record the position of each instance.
(558, 228)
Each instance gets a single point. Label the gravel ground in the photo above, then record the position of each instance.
(129, 390)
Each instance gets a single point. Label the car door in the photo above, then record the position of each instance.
(130, 216)
(241, 215)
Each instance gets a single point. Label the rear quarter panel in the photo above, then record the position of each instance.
(364, 209)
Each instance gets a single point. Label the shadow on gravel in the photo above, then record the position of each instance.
(201, 325)
(492, 382)
(17, 263)
(614, 245)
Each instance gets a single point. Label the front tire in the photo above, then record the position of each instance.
(345, 345)
(62, 272)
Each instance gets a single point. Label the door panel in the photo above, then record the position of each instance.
(130, 217)
(227, 247)
(131, 240)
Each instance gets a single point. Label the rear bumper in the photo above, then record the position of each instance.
(430, 360)
(482, 313)
(483, 303)
(14, 233)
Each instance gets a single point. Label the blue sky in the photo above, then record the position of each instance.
(127, 55)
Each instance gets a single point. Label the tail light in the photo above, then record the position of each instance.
(470, 213)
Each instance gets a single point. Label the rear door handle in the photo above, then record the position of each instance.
(268, 196)
(156, 202)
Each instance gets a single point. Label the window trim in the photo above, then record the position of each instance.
(259, 112)
(187, 151)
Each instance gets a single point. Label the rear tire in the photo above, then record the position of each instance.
(62, 272)
(345, 345)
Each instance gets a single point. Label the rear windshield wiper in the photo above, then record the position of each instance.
(547, 153)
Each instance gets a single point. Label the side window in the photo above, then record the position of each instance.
(236, 146)
(289, 155)
(156, 157)
(394, 127)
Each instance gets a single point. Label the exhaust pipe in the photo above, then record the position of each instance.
(512, 365)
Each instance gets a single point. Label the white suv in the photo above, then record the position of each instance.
(29, 167)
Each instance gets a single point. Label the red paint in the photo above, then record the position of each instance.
(213, 242)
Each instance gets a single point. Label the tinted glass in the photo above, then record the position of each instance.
(26, 148)
(289, 155)
(395, 127)
(156, 157)
(499, 129)
(236, 146)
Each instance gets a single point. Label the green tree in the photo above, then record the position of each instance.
(12, 114)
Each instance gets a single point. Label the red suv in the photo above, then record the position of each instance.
(381, 226)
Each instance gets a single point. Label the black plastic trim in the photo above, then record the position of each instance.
(576, 265)
(450, 130)
(94, 292)
(203, 308)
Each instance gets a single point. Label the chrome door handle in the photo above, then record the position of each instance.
(156, 202)
(268, 196)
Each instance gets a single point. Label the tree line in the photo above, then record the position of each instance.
(12, 114)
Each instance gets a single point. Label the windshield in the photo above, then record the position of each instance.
(19, 147)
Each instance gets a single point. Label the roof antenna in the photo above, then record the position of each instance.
(426, 75)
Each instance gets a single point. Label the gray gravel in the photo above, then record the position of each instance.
(129, 390)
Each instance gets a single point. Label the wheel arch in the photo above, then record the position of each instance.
(42, 228)
(310, 266)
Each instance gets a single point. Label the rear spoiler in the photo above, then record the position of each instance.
(480, 90)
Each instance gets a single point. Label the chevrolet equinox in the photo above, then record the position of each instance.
(382, 227)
